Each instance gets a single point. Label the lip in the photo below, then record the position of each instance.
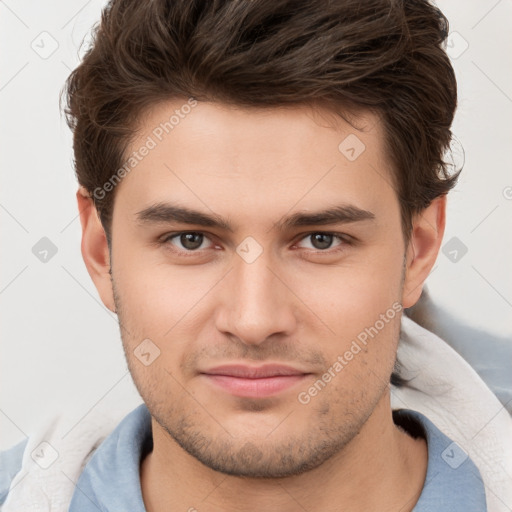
(254, 382)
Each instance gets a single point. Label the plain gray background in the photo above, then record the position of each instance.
(61, 349)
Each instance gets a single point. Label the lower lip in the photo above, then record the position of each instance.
(255, 388)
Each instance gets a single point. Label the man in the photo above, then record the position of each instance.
(262, 194)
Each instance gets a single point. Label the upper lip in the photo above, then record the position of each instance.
(253, 372)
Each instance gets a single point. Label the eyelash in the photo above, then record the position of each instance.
(342, 237)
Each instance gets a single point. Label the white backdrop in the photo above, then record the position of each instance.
(60, 347)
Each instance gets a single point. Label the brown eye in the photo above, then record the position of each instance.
(187, 241)
(191, 241)
(322, 241)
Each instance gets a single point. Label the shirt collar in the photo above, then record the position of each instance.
(452, 482)
(110, 481)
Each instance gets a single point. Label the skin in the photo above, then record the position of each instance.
(298, 303)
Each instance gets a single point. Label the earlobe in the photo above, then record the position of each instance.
(425, 242)
(95, 251)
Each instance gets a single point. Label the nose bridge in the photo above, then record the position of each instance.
(256, 283)
(257, 304)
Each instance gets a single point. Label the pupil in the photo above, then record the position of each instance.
(191, 240)
(322, 240)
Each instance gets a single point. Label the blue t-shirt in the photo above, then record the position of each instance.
(110, 481)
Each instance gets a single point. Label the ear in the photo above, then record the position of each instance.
(94, 247)
(425, 242)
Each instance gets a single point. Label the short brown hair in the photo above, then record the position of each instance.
(385, 56)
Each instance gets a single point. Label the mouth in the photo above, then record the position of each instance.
(254, 382)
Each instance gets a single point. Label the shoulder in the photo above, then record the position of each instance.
(450, 395)
(10, 466)
(453, 481)
(39, 473)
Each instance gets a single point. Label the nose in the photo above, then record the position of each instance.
(256, 303)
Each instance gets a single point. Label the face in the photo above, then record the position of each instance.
(257, 268)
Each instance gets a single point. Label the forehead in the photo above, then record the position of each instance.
(222, 155)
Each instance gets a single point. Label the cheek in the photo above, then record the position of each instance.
(353, 295)
(360, 305)
(167, 306)
(157, 297)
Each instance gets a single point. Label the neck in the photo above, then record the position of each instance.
(382, 468)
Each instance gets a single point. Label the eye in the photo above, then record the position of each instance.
(194, 241)
(190, 241)
(321, 241)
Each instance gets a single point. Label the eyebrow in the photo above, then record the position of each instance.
(160, 213)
